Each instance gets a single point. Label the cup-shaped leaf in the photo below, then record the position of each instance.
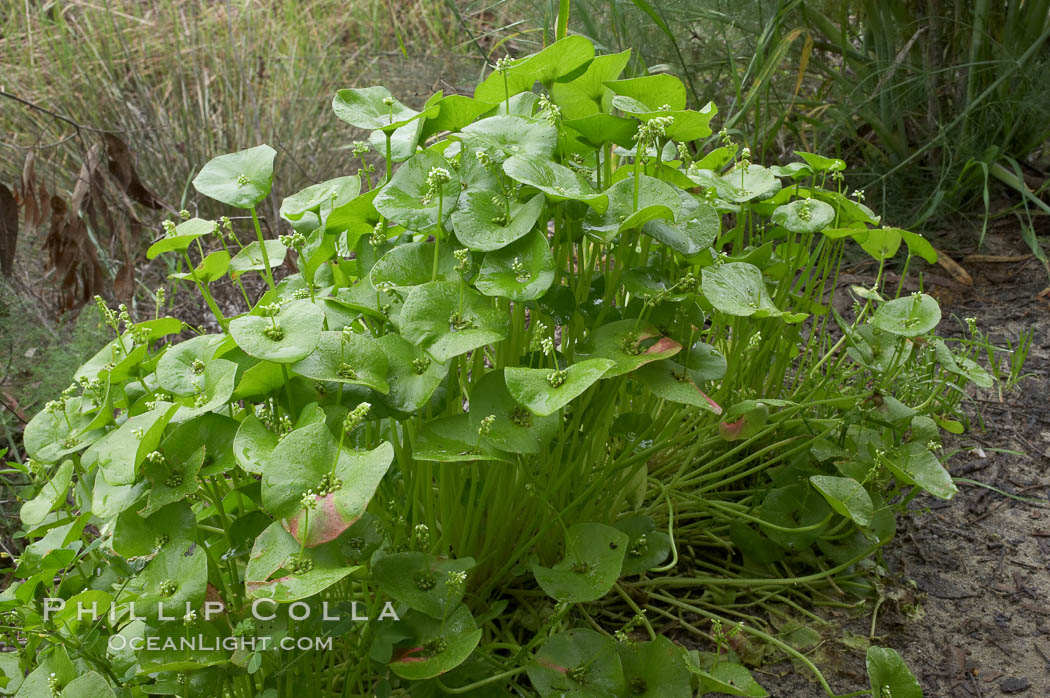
(514, 428)
(448, 318)
(501, 137)
(737, 288)
(290, 335)
(277, 570)
(53, 491)
(671, 381)
(435, 646)
(423, 582)
(211, 268)
(804, 215)
(454, 112)
(583, 95)
(654, 91)
(346, 358)
(594, 555)
(599, 129)
(521, 271)
(909, 316)
(185, 233)
(846, 496)
(656, 200)
(729, 678)
(819, 163)
(240, 179)
(581, 663)
(177, 576)
(545, 391)
(135, 535)
(453, 440)
(889, 675)
(407, 200)
(739, 185)
(120, 453)
(800, 514)
(656, 669)
(412, 374)
(253, 445)
(564, 59)
(173, 478)
(693, 230)
(212, 390)
(50, 435)
(914, 464)
(250, 257)
(686, 124)
(321, 198)
(182, 364)
(372, 108)
(647, 546)
(481, 224)
(629, 345)
(412, 264)
(558, 182)
(299, 468)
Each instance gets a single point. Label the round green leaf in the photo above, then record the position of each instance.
(453, 440)
(656, 200)
(909, 316)
(914, 464)
(299, 324)
(323, 197)
(51, 493)
(182, 364)
(503, 136)
(276, 569)
(50, 435)
(372, 108)
(185, 233)
(738, 185)
(647, 546)
(250, 258)
(653, 91)
(448, 318)
(565, 58)
(253, 445)
(737, 288)
(889, 675)
(846, 496)
(181, 566)
(585, 654)
(346, 358)
(655, 669)
(545, 391)
(515, 428)
(437, 646)
(300, 462)
(521, 271)
(421, 581)
(135, 535)
(798, 509)
(122, 450)
(671, 381)
(804, 215)
(558, 182)
(594, 555)
(412, 264)
(240, 179)
(479, 221)
(404, 199)
(412, 374)
(692, 231)
(629, 345)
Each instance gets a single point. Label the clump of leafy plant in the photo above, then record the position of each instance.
(552, 378)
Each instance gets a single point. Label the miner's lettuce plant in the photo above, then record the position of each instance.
(550, 377)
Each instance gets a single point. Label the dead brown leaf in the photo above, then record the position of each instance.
(8, 230)
(954, 268)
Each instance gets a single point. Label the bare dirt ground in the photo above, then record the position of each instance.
(968, 580)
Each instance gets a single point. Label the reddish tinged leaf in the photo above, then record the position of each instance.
(324, 523)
